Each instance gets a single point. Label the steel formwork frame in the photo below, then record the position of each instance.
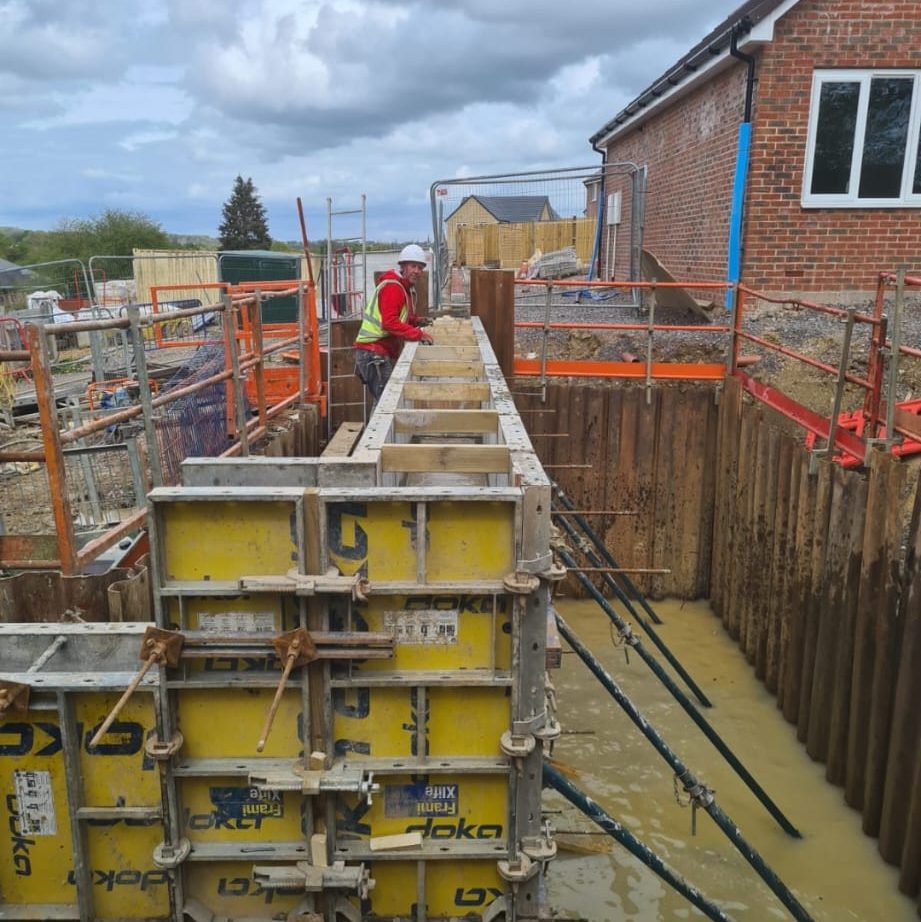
(245, 354)
(597, 177)
(268, 547)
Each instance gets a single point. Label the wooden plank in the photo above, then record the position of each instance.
(822, 508)
(461, 421)
(470, 459)
(466, 353)
(888, 629)
(831, 605)
(742, 483)
(910, 422)
(632, 481)
(876, 604)
(707, 496)
(856, 499)
(446, 368)
(910, 878)
(795, 614)
(725, 491)
(492, 299)
(776, 656)
(906, 715)
(343, 441)
(777, 598)
(456, 392)
(346, 391)
(760, 586)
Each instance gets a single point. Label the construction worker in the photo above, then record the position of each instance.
(389, 318)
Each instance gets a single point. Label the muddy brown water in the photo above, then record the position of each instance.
(834, 870)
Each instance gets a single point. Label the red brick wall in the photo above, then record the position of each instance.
(815, 249)
(690, 150)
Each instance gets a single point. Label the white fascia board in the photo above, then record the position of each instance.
(761, 34)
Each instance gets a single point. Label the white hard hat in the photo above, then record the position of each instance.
(412, 253)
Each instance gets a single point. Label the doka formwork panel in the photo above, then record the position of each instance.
(423, 732)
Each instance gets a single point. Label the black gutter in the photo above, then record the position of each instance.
(739, 28)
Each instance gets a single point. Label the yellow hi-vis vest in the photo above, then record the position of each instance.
(372, 327)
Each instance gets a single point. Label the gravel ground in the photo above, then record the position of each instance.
(811, 333)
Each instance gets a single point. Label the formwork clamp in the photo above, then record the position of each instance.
(539, 848)
(518, 869)
(520, 582)
(312, 878)
(162, 751)
(168, 856)
(517, 746)
(14, 696)
(311, 782)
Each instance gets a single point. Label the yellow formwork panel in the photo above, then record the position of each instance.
(377, 540)
(439, 632)
(227, 888)
(37, 859)
(126, 882)
(470, 541)
(382, 722)
(242, 613)
(228, 809)
(464, 541)
(377, 723)
(227, 540)
(449, 808)
(453, 889)
(469, 721)
(227, 723)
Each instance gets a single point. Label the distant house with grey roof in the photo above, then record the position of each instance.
(823, 98)
(485, 210)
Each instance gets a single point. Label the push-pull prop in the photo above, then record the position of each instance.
(158, 647)
(295, 648)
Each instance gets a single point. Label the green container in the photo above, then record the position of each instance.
(236, 266)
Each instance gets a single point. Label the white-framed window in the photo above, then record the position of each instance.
(863, 141)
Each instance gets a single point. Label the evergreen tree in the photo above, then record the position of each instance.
(244, 226)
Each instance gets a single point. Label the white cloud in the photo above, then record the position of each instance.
(160, 104)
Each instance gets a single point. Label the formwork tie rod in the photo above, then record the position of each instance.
(648, 629)
(701, 797)
(607, 555)
(554, 779)
(686, 704)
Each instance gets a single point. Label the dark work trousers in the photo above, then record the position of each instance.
(373, 370)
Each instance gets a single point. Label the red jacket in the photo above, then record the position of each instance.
(390, 301)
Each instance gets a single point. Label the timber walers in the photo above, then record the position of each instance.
(342, 709)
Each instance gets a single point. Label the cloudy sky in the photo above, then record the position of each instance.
(156, 106)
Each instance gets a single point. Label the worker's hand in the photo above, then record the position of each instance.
(426, 340)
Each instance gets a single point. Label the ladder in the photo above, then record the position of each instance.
(341, 288)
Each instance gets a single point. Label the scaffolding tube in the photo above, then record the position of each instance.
(632, 640)
(700, 796)
(607, 555)
(554, 779)
(648, 629)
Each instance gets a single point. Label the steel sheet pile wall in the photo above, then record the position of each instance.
(808, 577)
(394, 771)
(611, 450)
